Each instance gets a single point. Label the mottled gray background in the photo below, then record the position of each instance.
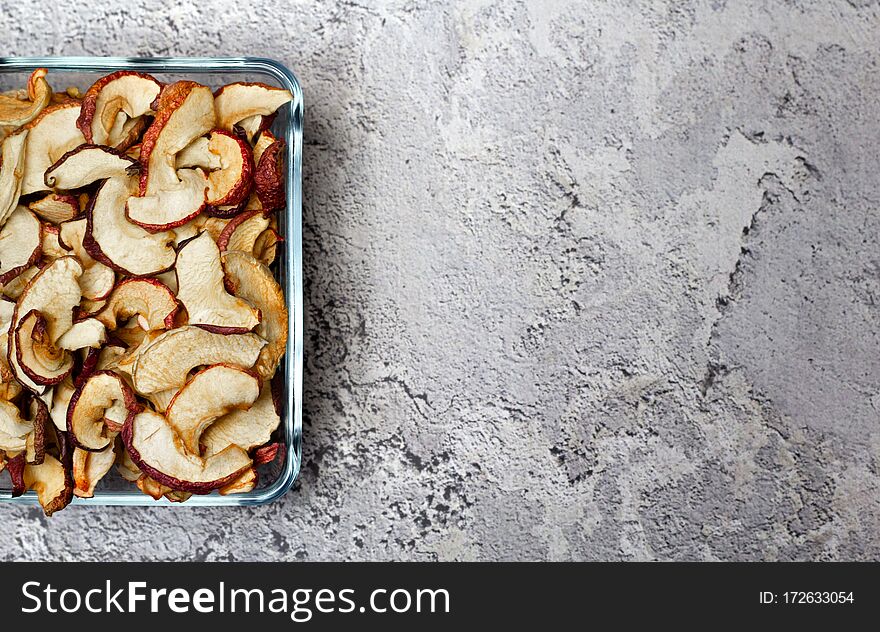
(584, 280)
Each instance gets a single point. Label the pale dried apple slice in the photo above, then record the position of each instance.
(266, 246)
(16, 112)
(56, 207)
(7, 309)
(88, 333)
(247, 429)
(211, 393)
(169, 197)
(113, 109)
(52, 482)
(251, 280)
(16, 286)
(12, 155)
(87, 414)
(86, 164)
(52, 134)
(20, 243)
(148, 299)
(157, 450)
(200, 289)
(236, 102)
(89, 468)
(164, 362)
(98, 279)
(113, 240)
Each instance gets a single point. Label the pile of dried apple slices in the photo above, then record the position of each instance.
(140, 323)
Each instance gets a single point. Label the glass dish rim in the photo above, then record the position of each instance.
(292, 418)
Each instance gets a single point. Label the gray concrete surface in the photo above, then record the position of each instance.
(585, 280)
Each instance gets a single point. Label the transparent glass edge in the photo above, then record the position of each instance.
(292, 236)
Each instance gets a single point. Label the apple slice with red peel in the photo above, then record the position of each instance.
(242, 231)
(211, 393)
(251, 280)
(12, 157)
(148, 299)
(52, 134)
(239, 101)
(199, 154)
(20, 243)
(245, 483)
(41, 361)
(169, 197)
(88, 333)
(269, 178)
(89, 468)
(247, 429)
(52, 482)
(56, 207)
(114, 107)
(157, 450)
(151, 487)
(87, 420)
(164, 362)
(200, 289)
(254, 126)
(113, 240)
(86, 164)
(15, 287)
(231, 184)
(16, 112)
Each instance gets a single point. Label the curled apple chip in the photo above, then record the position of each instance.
(87, 414)
(52, 483)
(211, 393)
(269, 177)
(245, 482)
(231, 183)
(113, 109)
(20, 243)
(157, 450)
(16, 112)
(119, 244)
(164, 362)
(86, 164)
(198, 154)
(200, 289)
(89, 468)
(167, 196)
(40, 360)
(239, 101)
(85, 334)
(14, 428)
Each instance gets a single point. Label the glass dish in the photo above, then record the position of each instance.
(81, 72)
